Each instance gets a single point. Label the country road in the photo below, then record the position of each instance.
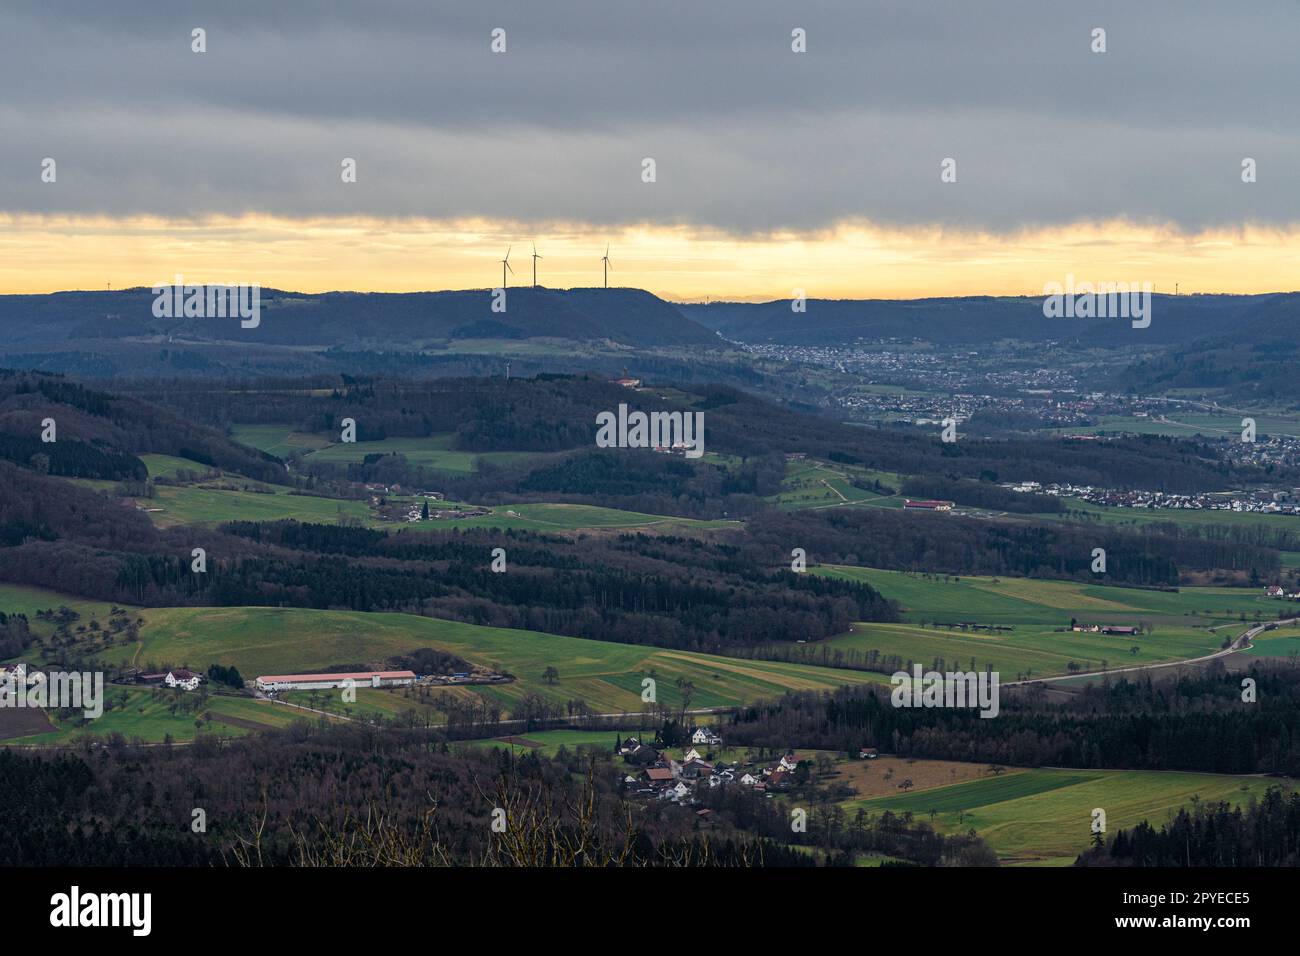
(1242, 642)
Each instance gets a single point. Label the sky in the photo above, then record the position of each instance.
(774, 170)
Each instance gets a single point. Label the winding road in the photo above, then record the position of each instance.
(1242, 642)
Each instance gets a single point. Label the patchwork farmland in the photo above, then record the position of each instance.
(1043, 817)
(1034, 617)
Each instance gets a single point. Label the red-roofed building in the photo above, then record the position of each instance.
(277, 682)
(927, 505)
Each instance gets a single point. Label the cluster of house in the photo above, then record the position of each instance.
(176, 678)
(1279, 593)
(1122, 630)
(416, 513)
(664, 778)
(676, 448)
(399, 490)
(1258, 502)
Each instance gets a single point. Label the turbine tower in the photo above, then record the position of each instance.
(605, 259)
(535, 258)
(505, 264)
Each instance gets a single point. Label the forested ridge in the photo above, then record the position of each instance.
(730, 589)
(1197, 723)
(1266, 832)
(557, 413)
(314, 796)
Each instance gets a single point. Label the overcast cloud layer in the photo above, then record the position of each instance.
(747, 135)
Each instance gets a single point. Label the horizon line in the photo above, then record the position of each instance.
(664, 298)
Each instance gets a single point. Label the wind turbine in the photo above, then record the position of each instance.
(605, 259)
(505, 264)
(535, 258)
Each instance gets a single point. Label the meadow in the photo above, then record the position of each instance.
(1077, 510)
(21, 599)
(197, 504)
(1177, 624)
(434, 452)
(140, 714)
(202, 504)
(168, 466)
(552, 516)
(1043, 817)
(606, 676)
(278, 440)
(548, 742)
(816, 484)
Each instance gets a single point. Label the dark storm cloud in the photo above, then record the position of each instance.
(747, 135)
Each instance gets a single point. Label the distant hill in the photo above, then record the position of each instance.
(982, 319)
(629, 317)
(99, 435)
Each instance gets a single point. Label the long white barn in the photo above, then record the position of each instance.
(279, 682)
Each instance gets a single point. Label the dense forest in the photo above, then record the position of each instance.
(316, 796)
(557, 412)
(909, 541)
(98, 435)
(1264, 833)
(1195, 723)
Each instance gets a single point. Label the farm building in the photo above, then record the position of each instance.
(277, 682)
(915, 505)
(176, 677)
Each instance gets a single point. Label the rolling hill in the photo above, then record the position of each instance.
(984, 319)
(631, 317)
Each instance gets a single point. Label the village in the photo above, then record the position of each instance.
(1259, 502)
(655, 775)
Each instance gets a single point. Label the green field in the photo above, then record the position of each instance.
(203, 504)
(1040, 611)
(1283, 642)
(544, 516)
(1104, 514)
(196, 504)
(433, 452)
(548, 742)
(149, 718)
(21, 599)
(278, 440)
(166, 466)
(605, 675)
(1043, 817)
(814, 484)
(1188, 421)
